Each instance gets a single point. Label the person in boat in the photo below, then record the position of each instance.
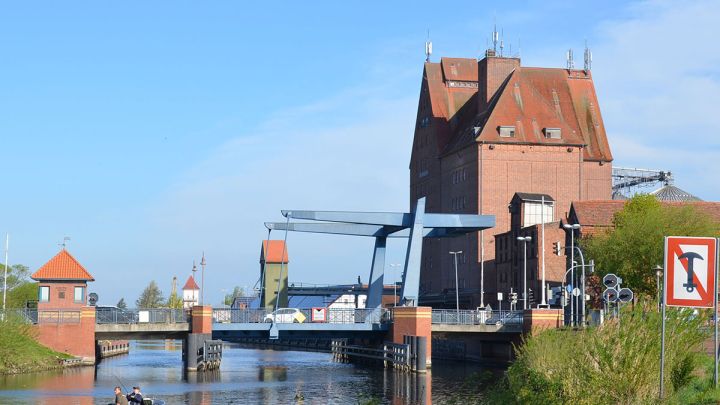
(119, 397)
(135, 397)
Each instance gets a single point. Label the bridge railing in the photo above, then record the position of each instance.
(332, 315)
(131, 316)
(35, 316)
(476, 317)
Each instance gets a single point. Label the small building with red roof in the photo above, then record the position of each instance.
(191, 293)
(62, 283)
(274, 273)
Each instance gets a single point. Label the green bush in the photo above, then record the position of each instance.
(616, 363)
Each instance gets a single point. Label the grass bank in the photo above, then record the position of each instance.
(21, 353)
(616, 363)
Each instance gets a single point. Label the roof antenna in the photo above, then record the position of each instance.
(502, 46)
(519, 49)
(66, 239)
(569, 57)
(495, 37)
(428, 47)
(588, 58)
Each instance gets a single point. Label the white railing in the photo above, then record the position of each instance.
(476, 317)
(304, 315)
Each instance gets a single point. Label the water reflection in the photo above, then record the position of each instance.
(247, 376)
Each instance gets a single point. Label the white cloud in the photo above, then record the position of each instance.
(658, 80)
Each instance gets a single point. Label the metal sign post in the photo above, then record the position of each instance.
(690, 274)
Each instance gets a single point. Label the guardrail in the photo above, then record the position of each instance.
(132, 316)
(304, 315)
(476, 317)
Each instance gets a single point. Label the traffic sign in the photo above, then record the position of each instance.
(610, 295)
(690, 266)
(625, 295)
(576, 292)
(610, 280)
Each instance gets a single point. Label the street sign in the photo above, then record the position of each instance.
(611, 280)
(576, 292)
(690, 265)
(500, 296)
(610, 295)
(625, 295)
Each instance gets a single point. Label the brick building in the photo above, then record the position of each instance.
(486, 130)
(65, 322)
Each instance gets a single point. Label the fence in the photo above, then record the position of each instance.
(406, 356)
(131, 316)
(476, 317)
(43, 316)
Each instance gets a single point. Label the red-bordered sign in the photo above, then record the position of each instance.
(690, 267)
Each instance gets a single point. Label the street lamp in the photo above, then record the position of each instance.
(572, 228)
(457, 295)
(394, 266)
(658, 273)
(524, 240)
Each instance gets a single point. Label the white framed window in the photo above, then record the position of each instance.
(506, 131)
(44, 294)
(79, 295)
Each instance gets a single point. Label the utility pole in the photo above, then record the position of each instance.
(457, 294)
(202, 281)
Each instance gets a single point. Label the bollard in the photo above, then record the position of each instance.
(421, 354)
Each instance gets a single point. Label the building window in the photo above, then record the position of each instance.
(44, 294)
(61, 295)
(79, 296)
(552, 133)
(533, 213)
(506, 131)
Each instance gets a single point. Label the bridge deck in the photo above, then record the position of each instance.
(119, 331)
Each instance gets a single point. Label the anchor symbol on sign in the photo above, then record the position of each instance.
(690, 256)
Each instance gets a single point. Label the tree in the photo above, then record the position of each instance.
(17, 275)
(121, 304)
(635, 244)
(237, 292)
(151, 297)
(174, 301)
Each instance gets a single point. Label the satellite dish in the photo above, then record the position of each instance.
(92, 299)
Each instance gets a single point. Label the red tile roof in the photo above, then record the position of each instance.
(276, 251)
(190, 284)
(529, 99)
(62, 267)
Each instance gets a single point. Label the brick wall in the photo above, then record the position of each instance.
(76, 338)
(62, 295)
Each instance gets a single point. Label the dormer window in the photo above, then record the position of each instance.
(506, 131)
(552, 133)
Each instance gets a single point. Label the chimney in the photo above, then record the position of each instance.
(492, 72)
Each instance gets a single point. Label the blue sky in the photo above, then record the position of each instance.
(151, 132)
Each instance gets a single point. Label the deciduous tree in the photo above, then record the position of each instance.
(634, 246)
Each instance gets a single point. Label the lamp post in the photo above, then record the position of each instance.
(457, 295)
(524, 240)
(572, 228)
(658, 273)
(394, 266)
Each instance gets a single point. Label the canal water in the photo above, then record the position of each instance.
(247, 376)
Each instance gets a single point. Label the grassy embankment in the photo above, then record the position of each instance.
(616, 363)
(21, 353)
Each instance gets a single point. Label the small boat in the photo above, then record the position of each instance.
(153, 401)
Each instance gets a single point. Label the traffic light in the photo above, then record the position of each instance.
(557, 249)
(531, 297)
(513, 297)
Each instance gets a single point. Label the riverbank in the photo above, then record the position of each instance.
(21, 353)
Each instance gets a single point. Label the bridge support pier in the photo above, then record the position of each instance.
(194, 342)
(537, 319)
(413, 321)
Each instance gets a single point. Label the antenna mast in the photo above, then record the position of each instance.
(502, 45)
(569, 57)
(428, 47)
(588, 58)
(495, 38)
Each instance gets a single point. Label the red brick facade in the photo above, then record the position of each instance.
(413, 321)
(201, 319)
(68, 331)
(462, 163)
